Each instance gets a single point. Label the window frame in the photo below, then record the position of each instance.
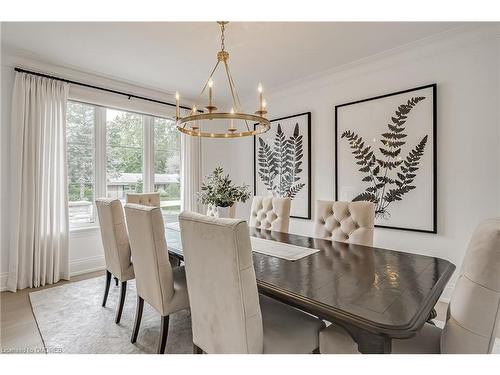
(94, 222)
(100, 155)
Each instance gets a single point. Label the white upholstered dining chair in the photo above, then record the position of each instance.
(160, 285)
(350, 222)
(116, 248)
(153, 200)
(227, 313)
(146, 199)
(270, 213)
(473, 314)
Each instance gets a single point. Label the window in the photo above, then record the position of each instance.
(124, 152)
(167, 167)
(113, 152)
(80, 136)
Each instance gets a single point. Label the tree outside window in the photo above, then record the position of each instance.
(125, 149)
(80, 130)
(167, 167)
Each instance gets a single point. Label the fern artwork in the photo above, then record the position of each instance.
(386, 155)
(282, 162)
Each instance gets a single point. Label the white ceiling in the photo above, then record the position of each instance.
(179, 56)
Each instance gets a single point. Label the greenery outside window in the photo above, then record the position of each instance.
(80, 137)
(167, 167)
(113, 152)
(124, 153)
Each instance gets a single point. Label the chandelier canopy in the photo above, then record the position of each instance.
(232, 124)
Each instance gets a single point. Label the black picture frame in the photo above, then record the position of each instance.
(309, 180)
(434, 152)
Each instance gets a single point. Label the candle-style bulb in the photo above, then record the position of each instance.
(261, 97)
(232, 129)
(177, 110)
(264, 103)
(210, 84)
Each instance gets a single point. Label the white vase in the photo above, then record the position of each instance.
(222, 212)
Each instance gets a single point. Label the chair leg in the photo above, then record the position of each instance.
(138, 317)
(116, 281)
(432, 316)
(162, 343)
(197, 349)
(123, 291)
(174, 262)
(106, 288)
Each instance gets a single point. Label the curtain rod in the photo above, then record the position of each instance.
(98, 88)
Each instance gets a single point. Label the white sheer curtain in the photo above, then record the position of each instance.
(190, 172)
(39, 234)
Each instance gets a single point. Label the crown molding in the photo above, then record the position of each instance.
(410, 52)
(15, 57)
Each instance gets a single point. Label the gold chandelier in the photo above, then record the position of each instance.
(193, 124)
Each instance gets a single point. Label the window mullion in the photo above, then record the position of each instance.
(148, 167)
(100, 153)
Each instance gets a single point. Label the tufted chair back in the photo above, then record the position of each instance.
(115, 238)
(145, 199)
(154, 276)
(345, 221)
(474, 310)
(270, 213)
(225, 309)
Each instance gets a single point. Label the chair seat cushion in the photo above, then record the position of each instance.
(288, 330)
(335, 340)
(180, 299)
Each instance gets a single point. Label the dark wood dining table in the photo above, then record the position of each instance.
(376, 295)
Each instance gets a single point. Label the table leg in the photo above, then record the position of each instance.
(369, 343)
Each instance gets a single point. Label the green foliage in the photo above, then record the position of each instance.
(80, 149)
(124, 144)
(139, 186)
(280, 166)
(124, 137)
(80, 192)
(171, 191)
(219, 190)
(383, 189)
(167, 144)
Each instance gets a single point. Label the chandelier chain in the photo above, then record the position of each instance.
(197, 116)
(222, 37)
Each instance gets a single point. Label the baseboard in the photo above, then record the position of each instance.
(76, 267)
(86, 265)
(3, 281)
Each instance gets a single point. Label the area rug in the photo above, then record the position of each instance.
(71, 320)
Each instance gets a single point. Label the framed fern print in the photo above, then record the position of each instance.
(385, 153)
(282, 162)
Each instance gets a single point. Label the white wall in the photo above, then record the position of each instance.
(465, 66)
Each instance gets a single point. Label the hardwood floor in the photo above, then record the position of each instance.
(18, 329)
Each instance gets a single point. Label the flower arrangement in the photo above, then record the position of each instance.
(218, 190)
